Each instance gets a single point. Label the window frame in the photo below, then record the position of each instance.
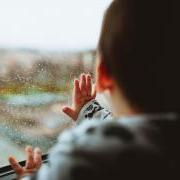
(7, 170)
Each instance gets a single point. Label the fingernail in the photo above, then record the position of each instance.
(29, 148)
(38, 150)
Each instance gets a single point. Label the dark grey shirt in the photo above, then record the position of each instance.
(104, 148)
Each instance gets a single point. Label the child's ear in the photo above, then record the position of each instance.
(103, 79)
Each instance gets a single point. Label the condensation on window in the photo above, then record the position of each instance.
(34, 86)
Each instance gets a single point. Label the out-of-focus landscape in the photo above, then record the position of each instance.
(34, 85)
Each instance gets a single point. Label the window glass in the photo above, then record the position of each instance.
(44, 45)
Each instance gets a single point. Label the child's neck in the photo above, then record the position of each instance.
(120, 105)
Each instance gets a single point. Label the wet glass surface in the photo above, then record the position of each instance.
(44, 45)
(32, 93)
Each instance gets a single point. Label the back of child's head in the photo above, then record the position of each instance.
(138, 45)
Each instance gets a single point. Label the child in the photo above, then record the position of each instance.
(138, 65)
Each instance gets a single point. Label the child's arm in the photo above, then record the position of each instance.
(84, 106)
(33, 162)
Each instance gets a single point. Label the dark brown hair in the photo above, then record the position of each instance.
(138, 43)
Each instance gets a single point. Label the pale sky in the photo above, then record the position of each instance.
(51, 24)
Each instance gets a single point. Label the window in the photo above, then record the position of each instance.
(44, 45)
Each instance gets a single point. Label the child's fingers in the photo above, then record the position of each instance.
(16, 166)
(70, 112)
(88, 85)
(37, 157)
(83, 84)
(30, 157)
(76, 90)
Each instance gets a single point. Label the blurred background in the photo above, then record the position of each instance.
(44, 45)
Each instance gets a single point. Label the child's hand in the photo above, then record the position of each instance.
(83, 92)
(33, 162)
